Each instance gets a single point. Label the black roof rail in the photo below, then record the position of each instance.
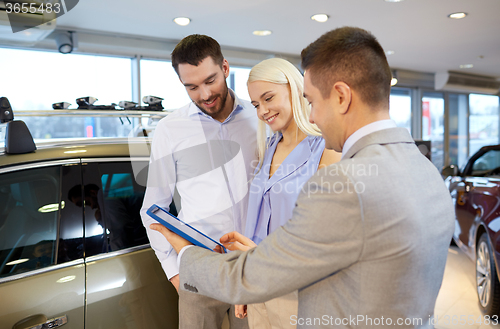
(18, 139)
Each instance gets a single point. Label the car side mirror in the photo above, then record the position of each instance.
(451, 170)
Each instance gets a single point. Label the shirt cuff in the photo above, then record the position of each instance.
(180, 255)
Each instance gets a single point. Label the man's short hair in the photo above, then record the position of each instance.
(195, 48)
(351, 55)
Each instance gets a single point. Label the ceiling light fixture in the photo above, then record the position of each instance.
(457, 15)
(389, 52)
(393, 0)
(182, 21)
(320, 18)
(466, 66)
(394, 79)
(262, 33)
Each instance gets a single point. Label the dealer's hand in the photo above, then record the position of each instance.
(176, 241)
(237, 241)
(240, 311)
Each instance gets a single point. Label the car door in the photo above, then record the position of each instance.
(476, 198)
(126, 286)
(42, 274)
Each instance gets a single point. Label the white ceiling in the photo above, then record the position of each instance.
(418, 31)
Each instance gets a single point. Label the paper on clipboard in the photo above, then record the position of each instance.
(182, 229)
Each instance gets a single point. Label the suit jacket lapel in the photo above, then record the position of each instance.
(385, 136)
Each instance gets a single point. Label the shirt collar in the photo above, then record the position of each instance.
(237, 106)
(366, 130)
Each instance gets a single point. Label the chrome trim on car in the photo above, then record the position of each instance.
(82, 142)
(116, 253)
(42, 270)
(39, 164)
(133, 158)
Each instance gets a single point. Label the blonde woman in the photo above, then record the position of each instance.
(293, 153)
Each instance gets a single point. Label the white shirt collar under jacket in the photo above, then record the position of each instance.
(366, 130)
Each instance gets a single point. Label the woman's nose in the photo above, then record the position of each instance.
(262, 111)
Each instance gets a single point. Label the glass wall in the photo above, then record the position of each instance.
(433, 125)
(158, 78)
(400, 107)
(34, 80)
(459, 129)
(51, 77)
(483, 121)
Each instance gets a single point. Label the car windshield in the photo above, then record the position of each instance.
(487, 164)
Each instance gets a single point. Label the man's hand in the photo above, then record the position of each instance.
(175, 282)
(176, 241)
(240, 311)
(237, 241)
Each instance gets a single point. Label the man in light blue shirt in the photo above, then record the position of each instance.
(205, 151)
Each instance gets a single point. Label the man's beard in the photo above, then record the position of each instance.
(223, 99)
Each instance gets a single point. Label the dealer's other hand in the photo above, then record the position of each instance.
(176, 241)
(237, 241)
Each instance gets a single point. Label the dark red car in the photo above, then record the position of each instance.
(476, 194)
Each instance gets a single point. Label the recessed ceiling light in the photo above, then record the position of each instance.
(320, 18)
(466, 66)
(262, 33)
(393, 0)
(182, 21)
(389, 52)
(457, 15)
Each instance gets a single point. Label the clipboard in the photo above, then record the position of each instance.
(182, 229)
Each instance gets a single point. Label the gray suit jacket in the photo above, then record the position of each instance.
(366, 246)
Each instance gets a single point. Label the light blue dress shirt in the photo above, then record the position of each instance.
(272, 200)
(210, 164)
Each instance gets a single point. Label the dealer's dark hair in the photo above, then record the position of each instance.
(351, 55)
(193, 49)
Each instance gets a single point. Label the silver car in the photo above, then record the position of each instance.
(73, 250)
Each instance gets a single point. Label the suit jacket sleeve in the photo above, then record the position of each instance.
(324, 235)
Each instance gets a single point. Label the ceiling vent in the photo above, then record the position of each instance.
(30, 27)
(460, 82)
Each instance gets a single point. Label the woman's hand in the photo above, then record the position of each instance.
(240, 311)
(237, 241)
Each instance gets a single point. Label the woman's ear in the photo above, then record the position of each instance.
(342, 95)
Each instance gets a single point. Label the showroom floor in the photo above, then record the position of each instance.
(458, 295)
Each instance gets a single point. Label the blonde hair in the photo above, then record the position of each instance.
(281, 71)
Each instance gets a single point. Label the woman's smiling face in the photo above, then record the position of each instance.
(273, 103)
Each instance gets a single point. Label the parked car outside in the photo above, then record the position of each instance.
(73, 250)
(476, 194)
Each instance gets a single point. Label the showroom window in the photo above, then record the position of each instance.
(400, 107)
(29, 207)
(483, 121)
(50, 77)
(433, 125)
(458, 129)
(158, 78)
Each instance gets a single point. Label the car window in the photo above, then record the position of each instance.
(29, 208)
(113, 201)
(486, 163)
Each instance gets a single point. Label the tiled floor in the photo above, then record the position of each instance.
(457, 296)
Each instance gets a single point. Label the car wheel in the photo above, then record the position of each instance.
(488, 287)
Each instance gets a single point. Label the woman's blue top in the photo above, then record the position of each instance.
(272, 200)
